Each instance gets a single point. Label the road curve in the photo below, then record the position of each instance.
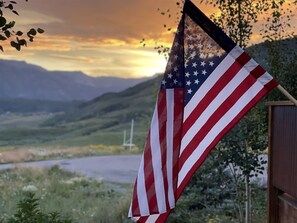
(115, 169)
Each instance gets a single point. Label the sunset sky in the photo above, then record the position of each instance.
(97, 37)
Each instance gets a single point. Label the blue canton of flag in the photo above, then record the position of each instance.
(193, 57)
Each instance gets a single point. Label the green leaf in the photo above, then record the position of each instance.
(32, 32)
(15, 12)
(19, 33)
(2, 21)
(39, 30)
(2, 37)
(22, 42)
(15, 45)
(7, 33)
(10, 6)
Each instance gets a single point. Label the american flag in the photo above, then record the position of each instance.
(209, 84)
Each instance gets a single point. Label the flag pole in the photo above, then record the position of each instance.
(287, 94)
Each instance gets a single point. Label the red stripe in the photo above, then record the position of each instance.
(162, 119)
(257, 72)
(149, 177)
(177, 131)
(215, 117)
(198, 163)
(214, 91)
(135, 206)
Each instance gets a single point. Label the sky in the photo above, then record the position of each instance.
(97, 37)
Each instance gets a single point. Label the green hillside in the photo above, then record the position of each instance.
(104, 119)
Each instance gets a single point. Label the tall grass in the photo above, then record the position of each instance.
(81, 199)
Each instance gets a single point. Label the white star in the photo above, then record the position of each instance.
(200, 45)
(175, 69)
(209, 46)
(175, 81)
(186, 65)
(191, 46)
(188, 83)
(219, 54)
(190, 91)
(194, 64)
(187, 74)
(202, 63)
(211, 63)
(193, 55)
(198, 36)
(169, 76)
(176, 44)
(163, 82)
(195, 73)
(169, 63)
(204, 72)
(175, 56)
(196, 81)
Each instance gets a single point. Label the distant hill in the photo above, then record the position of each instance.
(22, 80)
(137, 101)
(115, 108)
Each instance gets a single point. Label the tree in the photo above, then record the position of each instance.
(7, 31)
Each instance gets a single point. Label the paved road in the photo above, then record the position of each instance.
(117, 169)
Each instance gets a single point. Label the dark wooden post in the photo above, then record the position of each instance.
(282, 163)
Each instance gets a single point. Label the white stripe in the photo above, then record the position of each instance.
(152, 218)
(265, 78)
(157, 162)
(141, 190)
(208, 84)
(217, 128)
(212, 107)
(236, 52)
(169, 151)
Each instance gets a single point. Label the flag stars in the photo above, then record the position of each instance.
(191, 46)
(187, 74)
(175, 81)
(209, 46)
(211, 63)
(196, 81)
(169, 63)
(163, 82)
(204, 72)
(188, 83)
(195, 73)
(175, 69)
(169, 76)
(194, 64)
(202, 63)
(190, 91)
(175, 56)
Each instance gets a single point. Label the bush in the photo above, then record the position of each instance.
(29, 212)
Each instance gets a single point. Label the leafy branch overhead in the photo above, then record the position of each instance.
(17, 38)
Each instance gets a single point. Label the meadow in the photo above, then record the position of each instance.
(75, 197)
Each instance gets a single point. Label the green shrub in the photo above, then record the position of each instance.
(29, 212)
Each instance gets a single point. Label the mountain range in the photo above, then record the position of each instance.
(20, 80)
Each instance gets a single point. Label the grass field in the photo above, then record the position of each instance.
(26, 131)
(83, 200)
